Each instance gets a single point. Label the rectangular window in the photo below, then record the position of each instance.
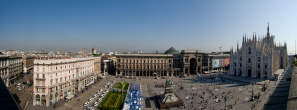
(259, 59)
(259, 66)
(37, 83)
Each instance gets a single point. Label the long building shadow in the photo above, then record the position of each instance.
(7, 101)
(279, 97)
(221, 80)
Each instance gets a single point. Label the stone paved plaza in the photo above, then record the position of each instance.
(200, 93)
(204, 92)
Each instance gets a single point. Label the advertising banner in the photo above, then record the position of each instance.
(215, 63)
(227, 61)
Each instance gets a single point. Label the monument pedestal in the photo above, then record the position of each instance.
(169, 99)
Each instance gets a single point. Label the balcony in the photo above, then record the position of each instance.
(40, 78)
(40, 87)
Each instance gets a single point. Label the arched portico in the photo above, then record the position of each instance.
(193, 66)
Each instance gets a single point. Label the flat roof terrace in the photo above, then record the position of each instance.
(144, 55)
(60, 61)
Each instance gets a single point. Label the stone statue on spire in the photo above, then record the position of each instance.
(268, 33)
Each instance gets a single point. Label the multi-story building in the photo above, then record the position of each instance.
(59, 79)
(94, 51)
(187, 62)
(28, 64)
(220, 61)
(97, 66)
(10, 68)
(191, 61)
(258, 57)
(206, 63)
(144, 65)
(108, 65)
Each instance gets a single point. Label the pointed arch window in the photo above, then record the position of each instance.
(250, 51)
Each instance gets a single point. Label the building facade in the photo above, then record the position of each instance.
(258, 57)
(108, 65)
(220, 62)
(59, 79)
(144, 65)
(28, 64)
(191, 62)
(97, 66)
(172, 63)
(10, 68)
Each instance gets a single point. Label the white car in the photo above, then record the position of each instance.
(95, 105)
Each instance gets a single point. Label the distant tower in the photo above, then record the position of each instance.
(237, 48)
(94, 51)
(268, 33)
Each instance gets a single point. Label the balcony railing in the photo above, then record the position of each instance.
(40, 78)
(42, 87)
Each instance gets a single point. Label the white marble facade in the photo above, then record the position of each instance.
(258, 57)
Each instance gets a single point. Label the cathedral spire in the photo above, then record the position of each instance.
(237, 47)
(245, 37)
(255, 36)
(268, 33)
(242, 39)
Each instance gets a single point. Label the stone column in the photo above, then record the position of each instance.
(34, 99)
(7, 82)
(47, 100)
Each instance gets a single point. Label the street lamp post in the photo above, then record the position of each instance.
(225, 99)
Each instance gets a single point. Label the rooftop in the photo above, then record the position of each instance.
(58, 61)
(171, 50)
(144, 55)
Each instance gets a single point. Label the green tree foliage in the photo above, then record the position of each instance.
(114, 100)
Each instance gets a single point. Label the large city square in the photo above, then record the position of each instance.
(148, 55)
(205, 92)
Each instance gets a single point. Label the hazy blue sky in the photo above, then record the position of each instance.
(142, 24)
